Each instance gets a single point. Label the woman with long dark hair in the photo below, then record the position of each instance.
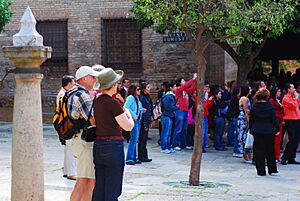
(145, 122)
(243, 121)
(134, 105)
(232, 116)
(218, 110)
(275, 95)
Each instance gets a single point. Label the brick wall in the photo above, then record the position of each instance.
(161, 61)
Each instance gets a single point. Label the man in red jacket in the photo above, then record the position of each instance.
(182, 92)
(291, 117)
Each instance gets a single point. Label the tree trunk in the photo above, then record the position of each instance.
(197, 153)
(244, 66)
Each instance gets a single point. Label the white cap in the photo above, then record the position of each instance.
(84, 71)
(98, 67)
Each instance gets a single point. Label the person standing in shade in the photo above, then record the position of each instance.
(108, 148)
(134, 105)
(123, 92)
(243, 121)
(291, 117)
(264, 126)
(69, 169)
(145, 122)
(219, 111)
(124, 89)
(275, 94)
(232, 116)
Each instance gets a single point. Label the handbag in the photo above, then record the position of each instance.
(89, 131)
(249, 141)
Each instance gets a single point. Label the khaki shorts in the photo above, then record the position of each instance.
(83, 152)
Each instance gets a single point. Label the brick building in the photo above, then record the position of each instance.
(83, 32)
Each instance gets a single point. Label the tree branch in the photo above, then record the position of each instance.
(258, 49)
(201, 7)
(208, 41)
(229, 50)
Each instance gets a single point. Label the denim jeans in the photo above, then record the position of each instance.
(219, 131)
(109, 168)
(134, 137)
(180, 131)
(142, 145)
(166, 123)
(205, 132)
(232, 134)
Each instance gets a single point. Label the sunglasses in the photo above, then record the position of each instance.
(138, 89)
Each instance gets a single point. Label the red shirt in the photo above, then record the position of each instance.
(290, 106)
(278, 109)
(182, 94)
(207, 105)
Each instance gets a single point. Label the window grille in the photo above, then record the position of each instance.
(122, 45)
(55, 35)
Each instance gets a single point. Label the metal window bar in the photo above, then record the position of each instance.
(55, 35)
(122, 44)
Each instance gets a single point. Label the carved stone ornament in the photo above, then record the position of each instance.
(28, 36)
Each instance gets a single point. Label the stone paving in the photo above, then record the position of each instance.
(159, 180)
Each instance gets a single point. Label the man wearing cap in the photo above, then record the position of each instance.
(79, 106)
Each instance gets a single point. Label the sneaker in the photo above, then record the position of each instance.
(177, 148)
(237, 155)
(274, 174)
(166, 151)
(172, 150)
(189, 147)
(247, 161)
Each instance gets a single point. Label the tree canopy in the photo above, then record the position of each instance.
(5, 13)
(232, 22)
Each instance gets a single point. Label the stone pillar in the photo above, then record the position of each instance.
(28, 53)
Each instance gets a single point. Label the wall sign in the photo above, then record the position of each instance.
(175, 37)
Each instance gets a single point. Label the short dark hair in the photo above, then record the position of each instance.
(206, 82)
(287, 86)
(262, 94)
(178, 81)
(66, 79)
(124, 80)
(165, 83)
(169, 85)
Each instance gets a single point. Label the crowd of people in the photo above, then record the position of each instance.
(264, 108)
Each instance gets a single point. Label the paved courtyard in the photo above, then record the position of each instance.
(160, 179)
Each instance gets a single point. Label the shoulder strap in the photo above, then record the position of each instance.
(88, 119)
(137, 104)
